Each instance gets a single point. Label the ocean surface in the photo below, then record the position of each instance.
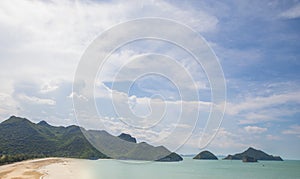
(195, 169)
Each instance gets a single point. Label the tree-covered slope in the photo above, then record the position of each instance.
(205, 155)
(20, 137)
(253, 153)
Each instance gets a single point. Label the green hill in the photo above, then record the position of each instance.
(253, 153)
(22, 138)
(205, 155)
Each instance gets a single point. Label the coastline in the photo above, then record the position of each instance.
(45, 168)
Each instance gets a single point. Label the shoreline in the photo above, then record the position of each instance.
(68, 168)
(37, 168)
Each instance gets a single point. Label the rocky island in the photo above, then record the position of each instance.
(205, 155)
(252, 154)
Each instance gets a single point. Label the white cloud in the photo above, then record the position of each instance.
(293, 130)
(51, 36)
(276, 113)
(45, 40)
(75, 95)
(252, 118)
(265, 107)
(255, 129)
(130, 67)
(72, 24)
(35, 104)
(153, 120)
(253, 103)
(273, 137)
(8, 106)
(227, 139)
(185, 126)
(35, 100)
(237, 57)
(48, 87)
(293, 12)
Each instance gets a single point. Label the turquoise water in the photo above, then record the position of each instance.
(192, 169)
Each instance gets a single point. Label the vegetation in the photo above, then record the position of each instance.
(6, 159)
(21, 139)
(253, 154)
(205, 155)
(118, 148)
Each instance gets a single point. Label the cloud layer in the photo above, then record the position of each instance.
(257, 44)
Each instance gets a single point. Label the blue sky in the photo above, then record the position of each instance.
(256, 42)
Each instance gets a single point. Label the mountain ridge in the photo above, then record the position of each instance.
(21, 136)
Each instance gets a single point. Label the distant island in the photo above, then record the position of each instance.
(252, 155)
(205, 155)
(20, 139)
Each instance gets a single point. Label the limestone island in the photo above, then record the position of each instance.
(251, 154)
(205, 155)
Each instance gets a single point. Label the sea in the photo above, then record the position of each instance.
(195, 169)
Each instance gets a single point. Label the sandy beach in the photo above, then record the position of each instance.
(46, 168)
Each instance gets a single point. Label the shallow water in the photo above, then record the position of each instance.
(192, 169)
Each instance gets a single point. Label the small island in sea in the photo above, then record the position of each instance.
(205, 155)
(252, 155)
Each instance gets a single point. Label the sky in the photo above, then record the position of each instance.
(256, 43)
